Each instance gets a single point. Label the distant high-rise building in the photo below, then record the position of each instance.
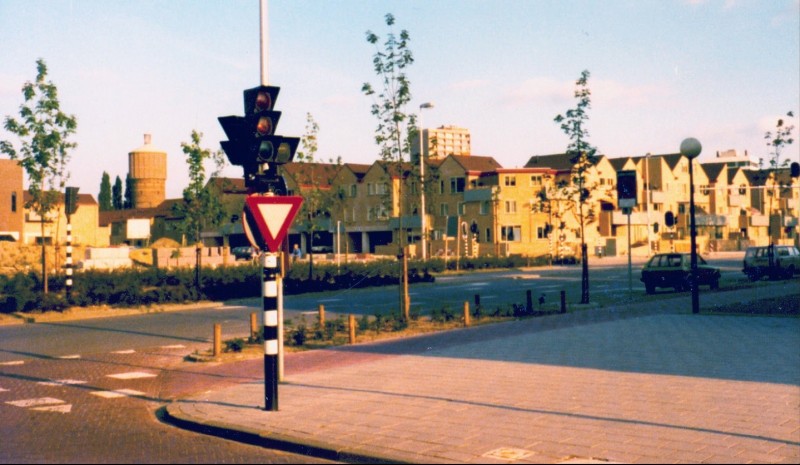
(148, 169)
(440, 142)
(732, 159)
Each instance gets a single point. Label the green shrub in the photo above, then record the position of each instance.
(234, 345)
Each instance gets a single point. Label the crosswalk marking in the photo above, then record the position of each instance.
(61, 382)
(25, 403)
(132, 375)
(117, 393)
(128, 351)
(64, 408)
(70, 357)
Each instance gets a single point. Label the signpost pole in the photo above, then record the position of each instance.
(269, 294)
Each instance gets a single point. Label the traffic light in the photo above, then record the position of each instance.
(71, 200)
(669, 219)
(794, 169)
(626, 188)
(252, 142)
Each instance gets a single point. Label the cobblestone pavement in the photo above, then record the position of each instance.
(623, 384)
(102, 408)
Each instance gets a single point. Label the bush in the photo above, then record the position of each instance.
(234, 345)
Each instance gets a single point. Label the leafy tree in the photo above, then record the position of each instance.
(394, 124)
(44, 131)
(104, 197)
(583, 157)
(128, 201)
(314, 200)
(200, 209)
(116, 195)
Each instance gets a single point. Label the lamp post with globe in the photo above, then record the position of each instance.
(691, 148)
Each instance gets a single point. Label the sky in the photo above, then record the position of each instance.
(722, 71)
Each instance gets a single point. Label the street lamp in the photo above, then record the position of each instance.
(424, 106)
(691, 148)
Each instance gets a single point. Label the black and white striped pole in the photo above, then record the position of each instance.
(269, 293)
(70, 206)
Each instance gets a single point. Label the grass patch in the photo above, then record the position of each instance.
(774, 306)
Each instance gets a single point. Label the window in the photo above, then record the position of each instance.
(444, 209)
(542, 232)
(353, 190)
(511, 206)
(511, 181)
(462, 208)
(511, 233)
(457, 185)
(13, 202)
(484, 207)
(536, 180)
(441, 187)
(488, 235)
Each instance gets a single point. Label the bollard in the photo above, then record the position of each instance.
(528, 301)
(477, 300)
(253, 327)
(352, 321)
(217, 339)
(466, 314)
(321, 309)
(563, 302)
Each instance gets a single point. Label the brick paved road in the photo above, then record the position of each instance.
(72, 411)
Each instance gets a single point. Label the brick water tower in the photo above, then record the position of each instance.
(147, 166)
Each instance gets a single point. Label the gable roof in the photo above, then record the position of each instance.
(619, 163)
(713, 170)
(475, 163)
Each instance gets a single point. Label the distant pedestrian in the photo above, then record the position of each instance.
(296, 253)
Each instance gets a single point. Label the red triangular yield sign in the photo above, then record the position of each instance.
(271, 216)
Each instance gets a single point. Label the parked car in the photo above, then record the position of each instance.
(674, 270)
(244, 253)
(785, 261)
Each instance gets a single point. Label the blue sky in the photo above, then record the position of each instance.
(722, 71)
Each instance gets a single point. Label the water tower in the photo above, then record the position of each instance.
(147, 166)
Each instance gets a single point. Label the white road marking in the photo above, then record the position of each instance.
(132, 375)
(70, 357)
(117, 393)
(61, 382)
(3, 390)
(65, 408)
(13, 362)
(174, 346)
(25, 403)
(129, 351)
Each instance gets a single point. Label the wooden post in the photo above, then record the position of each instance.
(466, 314)
(253, 326)
(321, 310)
(217, 339)
(352, 321)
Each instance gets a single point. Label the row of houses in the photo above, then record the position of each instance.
(473, 207)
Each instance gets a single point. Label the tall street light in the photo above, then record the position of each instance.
(691, 148)
(423, 229)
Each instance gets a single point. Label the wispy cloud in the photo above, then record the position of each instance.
(539, 90)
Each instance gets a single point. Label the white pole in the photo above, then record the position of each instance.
(264, 43)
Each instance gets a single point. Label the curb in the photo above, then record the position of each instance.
(173, 415)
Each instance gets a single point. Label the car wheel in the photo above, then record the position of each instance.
(650, 288)
(715, 284)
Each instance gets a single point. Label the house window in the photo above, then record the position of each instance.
(443, 209)
(457, 185)
(441, 187)
(484, 207)
(511, 206)
(488, 235)
(511, 181)
(536, 180)
(13, 202)
(542, 232)
(511, 233)
(462, 208)
(353, 190)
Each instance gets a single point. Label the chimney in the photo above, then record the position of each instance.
(147, 139)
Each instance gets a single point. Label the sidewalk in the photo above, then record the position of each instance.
(625, 384)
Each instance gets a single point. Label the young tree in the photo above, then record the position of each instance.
(200, 209)
(104, 197)
(314, 200)
(44, 131)
(777, 141)
(392, 134)
(116, 194)
(583, 157)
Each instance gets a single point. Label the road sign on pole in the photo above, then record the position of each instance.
(266, 219)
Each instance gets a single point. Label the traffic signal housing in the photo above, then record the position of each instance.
(71, 200)
(253, 144)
